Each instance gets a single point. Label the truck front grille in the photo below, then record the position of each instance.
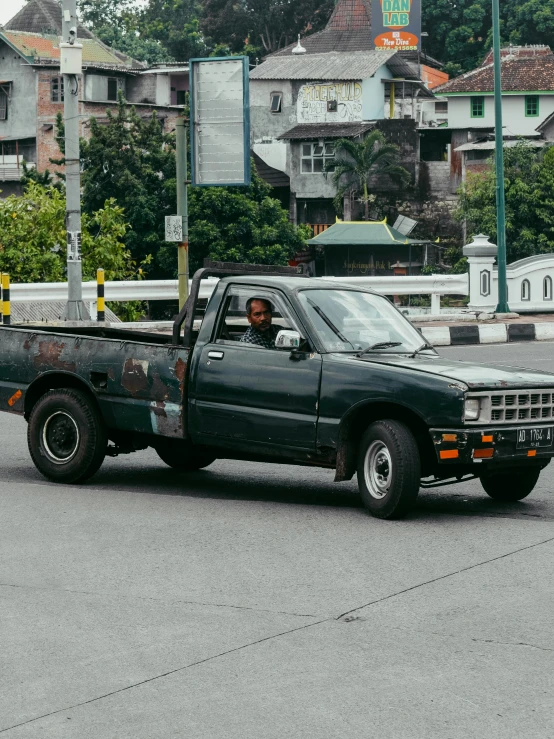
(514, 407)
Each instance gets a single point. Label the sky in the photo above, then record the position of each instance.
(8, 8)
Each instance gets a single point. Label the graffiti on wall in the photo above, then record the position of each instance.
(330, 102)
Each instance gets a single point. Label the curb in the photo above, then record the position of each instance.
(499, 333)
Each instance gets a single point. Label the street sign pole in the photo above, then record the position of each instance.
(502, 306)
(182, 209)
(71, 68)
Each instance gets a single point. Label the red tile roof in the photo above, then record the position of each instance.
(520, 73)
(37, 47)
(348, 29)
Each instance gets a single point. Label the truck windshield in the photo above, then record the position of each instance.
(348, 320)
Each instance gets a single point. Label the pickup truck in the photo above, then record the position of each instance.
(349, 384)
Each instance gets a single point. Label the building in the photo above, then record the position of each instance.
(32, 89)
(467, 139)
(333, 85)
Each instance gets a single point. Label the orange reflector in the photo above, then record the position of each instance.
(482, 453)
(487, 438)
(450, 437)
(532, 453)
(449, 454)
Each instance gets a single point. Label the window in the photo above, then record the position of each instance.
(547, 288)
(315, 155)
(477, 107)
(276, 102)
(525, 290)
(56, 89)
(112, 88)
(441, 107)
(3, 106)
(531, 106)
(181, 97)
(234, 323)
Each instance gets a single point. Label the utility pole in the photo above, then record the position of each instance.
(71, 68)
(502, 306)
(182, 208)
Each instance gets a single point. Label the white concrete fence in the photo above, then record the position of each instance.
(530, 285)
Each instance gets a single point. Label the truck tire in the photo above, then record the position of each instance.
(182, 456)
(67, 437)
(511, 487)
(389, 469)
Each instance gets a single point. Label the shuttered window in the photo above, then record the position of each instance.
(3, 106)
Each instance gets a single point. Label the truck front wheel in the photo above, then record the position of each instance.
(181, 455)
(67, 437)
(389, 469)
(511, 487)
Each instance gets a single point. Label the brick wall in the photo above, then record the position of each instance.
(47, 146)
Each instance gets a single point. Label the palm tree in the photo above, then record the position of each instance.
(363, 160)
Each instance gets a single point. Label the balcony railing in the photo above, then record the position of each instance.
(319, 228)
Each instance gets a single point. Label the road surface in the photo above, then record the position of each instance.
(254, 601)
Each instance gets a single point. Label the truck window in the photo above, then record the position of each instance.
(234, 323)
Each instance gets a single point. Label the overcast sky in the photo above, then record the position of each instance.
(8, 8)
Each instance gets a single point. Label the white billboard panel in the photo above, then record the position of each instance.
(220, 121)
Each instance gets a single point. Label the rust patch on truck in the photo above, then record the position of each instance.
(49, 356)
(167, 419)
(180, 370)
(135, 376)
(160, 390)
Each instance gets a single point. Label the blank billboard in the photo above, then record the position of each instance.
(220, 121)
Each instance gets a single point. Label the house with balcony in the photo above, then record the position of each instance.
(32, 88)
(328, 86)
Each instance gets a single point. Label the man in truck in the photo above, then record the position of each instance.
(261, 332)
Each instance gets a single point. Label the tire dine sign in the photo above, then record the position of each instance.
(396, 24)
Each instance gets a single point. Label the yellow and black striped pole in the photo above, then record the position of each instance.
(100, 295)
(6, 305)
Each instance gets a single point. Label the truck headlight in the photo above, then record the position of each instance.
(472, 409)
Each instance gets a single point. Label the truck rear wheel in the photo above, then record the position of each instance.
(182, 455)
(67, 437)
(511, 487)
(389, 469)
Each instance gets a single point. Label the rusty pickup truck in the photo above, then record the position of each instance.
(341, 380)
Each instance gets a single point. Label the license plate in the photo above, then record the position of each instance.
(533, 438)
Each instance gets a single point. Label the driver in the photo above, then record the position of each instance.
(261, 332)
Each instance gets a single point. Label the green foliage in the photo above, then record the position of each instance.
(363, 160)
(236, 224)
(267, 25)
(176, 25)
(132, 161)
(529, 187)
(33, 238)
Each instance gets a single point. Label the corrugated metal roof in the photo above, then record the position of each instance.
(36, 46)
(41, 312)
(491, 145)
(308, 131)
(332, 66)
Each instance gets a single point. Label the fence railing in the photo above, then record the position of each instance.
(120, 292)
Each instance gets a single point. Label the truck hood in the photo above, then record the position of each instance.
(475, 376)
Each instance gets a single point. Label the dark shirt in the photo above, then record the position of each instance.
(261, 338)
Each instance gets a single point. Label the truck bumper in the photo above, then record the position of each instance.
(511, 443)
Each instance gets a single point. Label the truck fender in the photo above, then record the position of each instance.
(53, 381)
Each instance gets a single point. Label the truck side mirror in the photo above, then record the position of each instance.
(287, 340)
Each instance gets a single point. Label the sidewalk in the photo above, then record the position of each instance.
(535, 327)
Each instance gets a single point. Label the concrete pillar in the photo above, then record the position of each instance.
(483, 288)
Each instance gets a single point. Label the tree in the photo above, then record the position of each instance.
(33, 238)
(266, 24)
(132, 161)
(176, 25)
(363, 161)
(235, 224)
(529, 182)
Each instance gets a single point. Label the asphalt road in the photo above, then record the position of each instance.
(255, 601)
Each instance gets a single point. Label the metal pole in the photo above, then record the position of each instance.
(502, 306)
(75, 309)
(182, 209)
(100, 295)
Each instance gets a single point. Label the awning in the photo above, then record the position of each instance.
(310, 131)
(424, 91)
(491, 145)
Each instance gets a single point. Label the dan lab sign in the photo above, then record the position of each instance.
(396, 24)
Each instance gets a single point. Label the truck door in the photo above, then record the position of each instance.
(245, 393)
